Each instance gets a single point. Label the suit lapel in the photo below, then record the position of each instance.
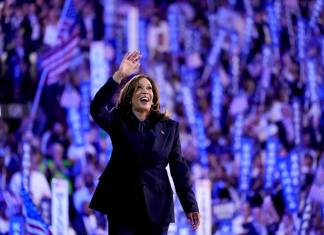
(154, 134)
(155, 140)
(161, 134)
(133, 140)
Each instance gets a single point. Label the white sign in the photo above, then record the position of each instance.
(132, 29)
(99, 68)
(203, 194)
(60, 206)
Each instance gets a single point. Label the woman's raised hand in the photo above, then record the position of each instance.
(128, 66)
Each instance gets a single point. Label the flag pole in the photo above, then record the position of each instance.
(37, 99)
(35, 105)
(64, 11)
(44, 75)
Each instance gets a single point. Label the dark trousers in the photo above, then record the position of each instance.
(136, 220)
(120, 228)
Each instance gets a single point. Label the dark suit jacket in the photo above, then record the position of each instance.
(132, 169)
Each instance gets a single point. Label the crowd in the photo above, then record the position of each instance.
(259, 85)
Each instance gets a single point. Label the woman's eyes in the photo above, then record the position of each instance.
(141, 88)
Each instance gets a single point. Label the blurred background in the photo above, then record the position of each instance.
(244, 78)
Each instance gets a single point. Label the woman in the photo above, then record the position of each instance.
(134, 190)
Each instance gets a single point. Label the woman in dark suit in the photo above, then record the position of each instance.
(134, 189)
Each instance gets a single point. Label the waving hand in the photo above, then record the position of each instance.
(128, 66)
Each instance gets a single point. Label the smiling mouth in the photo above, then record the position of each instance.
(144, 100)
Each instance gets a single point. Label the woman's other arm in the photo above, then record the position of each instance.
(181, 176)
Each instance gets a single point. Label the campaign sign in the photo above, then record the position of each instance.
(98, 66)
(174, 27)
(216, 49)
(60, 206)
(203, 194)
(272, 148)
(287, 186)
(301, 34)
(295, 171)
(85, 104)
(202, 142)
(217, 99)
(142, 24)
(297, 121)
(17, 225)
(238, 132)
(246, 155)
(132, 25)
(74, 121)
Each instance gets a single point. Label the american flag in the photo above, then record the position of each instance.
(59, 58)
(35, 224)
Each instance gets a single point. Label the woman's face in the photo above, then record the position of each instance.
(142, 98)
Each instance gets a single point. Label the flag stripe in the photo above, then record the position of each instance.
(58, 70)
(35, 224)
(59, 58)
(35, 230)
(53, 74)
(51, 61)
(66, 59)
(49, 53)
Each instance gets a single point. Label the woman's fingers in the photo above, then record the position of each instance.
(126, 56)
(130, 63)
(194, 219)
(134, 56)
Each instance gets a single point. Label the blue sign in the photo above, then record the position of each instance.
(188, 42)
(85, 105)
(174, 27)
(202, 141)
(17, 225)
(287, 185)
(235, 63)
(317, 7)
(217, 99)
(109, 16)
(297, 122)
(301, 38)
(274, 27)
(272, 150)
(248, 33)
(142, 38)
(277, 11)
(120, 43)
(74, 121)
(213, 26)
(322, 51)
(306, 217)
(196, 47)
(216, 49)
(238, 132)
(312, 85)
(295, 171)
(246, 155)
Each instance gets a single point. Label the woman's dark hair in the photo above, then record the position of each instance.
(124, 103)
